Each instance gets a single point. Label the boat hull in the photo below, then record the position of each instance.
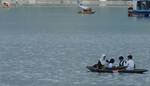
(92, 69)
(80, 12)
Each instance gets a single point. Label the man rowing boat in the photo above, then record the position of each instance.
(102, 62)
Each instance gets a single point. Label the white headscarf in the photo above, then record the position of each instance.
(103, 59)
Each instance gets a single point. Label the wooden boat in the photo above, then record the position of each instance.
(88, 12)
(122, 70)
(85, 9)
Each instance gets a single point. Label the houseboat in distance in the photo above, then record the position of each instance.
(139, 8)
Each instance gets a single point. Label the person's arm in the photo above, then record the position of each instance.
(134, 66)
(107, 61)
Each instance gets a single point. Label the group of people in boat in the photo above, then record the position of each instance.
(127, 64)
(143, 5)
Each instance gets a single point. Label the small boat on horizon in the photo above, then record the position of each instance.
(85, 10)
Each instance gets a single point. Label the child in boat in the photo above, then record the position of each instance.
(111, 63)
(130, 63)
(122, 62)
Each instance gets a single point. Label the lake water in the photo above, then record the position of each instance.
(51, 46)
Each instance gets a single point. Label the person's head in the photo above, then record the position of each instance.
(130, 57)
(81, 4)
(121, 57)
(103, 56)
(112, 60)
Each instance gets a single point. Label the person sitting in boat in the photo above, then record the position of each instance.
(130, 63)
(122, 62)
(111, 63)
(101, 62)
(143, 5)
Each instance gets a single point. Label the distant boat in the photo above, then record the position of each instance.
(85, 9)
(139, 8)
(5, 4)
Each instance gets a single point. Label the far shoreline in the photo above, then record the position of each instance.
(73, 4)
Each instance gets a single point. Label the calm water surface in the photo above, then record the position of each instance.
(51, 46)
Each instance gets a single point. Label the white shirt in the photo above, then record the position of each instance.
(130, 65)
(110, 65)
